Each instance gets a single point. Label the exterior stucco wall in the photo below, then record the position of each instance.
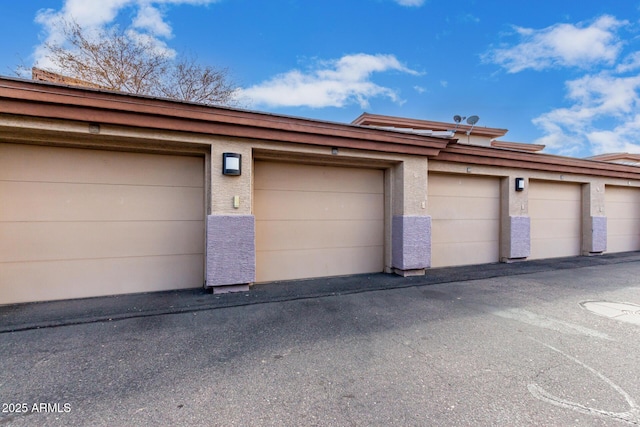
(473, 139)
(405, 181)
(411, 225)
(410, 187)
(407, 221)
(230, 252)
(515, 224)
(225, 187)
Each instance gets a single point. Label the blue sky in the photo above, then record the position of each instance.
(561, 73)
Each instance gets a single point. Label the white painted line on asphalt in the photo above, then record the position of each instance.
(545, 322)
(632, 416)
(622, 311)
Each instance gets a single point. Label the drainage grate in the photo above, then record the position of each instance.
(622, 311)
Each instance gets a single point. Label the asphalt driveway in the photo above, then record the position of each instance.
(519, 345)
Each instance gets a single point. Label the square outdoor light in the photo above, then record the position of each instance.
(519, 184)
(231, 164)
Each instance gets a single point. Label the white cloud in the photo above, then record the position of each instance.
(334, 84)
(603, 100)
(601, 106)
(150, 19)
(410, 3)
(89, 14)
(604, 94)
(160, 47)
(561, 45)
(621, 139)
(629, 63)
(468, 17)
(148, 22)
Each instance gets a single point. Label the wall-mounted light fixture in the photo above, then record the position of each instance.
(94, 128)
(519, 184)
(231, 164)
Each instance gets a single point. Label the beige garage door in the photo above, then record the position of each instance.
(79, 223)
(315, 221)
(465, 215)
(555, 211)
(623, 219)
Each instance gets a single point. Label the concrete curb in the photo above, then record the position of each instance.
(23, 317)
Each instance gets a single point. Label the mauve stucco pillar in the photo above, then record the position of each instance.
(515, 223)
(411, 244)
(594, 221)
(519, 242)
(598, 235)
(231, 252)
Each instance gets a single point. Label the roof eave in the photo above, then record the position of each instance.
(463, 153)
(367, 119)
(26, 98)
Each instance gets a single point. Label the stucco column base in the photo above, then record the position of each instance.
(410, 273)
(592, 253)
(411, 244)
(512, 260)
(231, 255)
(229, 289)
(594, 235)
(517, 232)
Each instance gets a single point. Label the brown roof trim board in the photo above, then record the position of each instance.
(367, 119)
(38, 74)
(610, 157)
(46, 100)
(469, 154)
(520, 146)
(53, 101)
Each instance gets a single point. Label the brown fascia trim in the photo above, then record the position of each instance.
(476, 155)
(367, 119)
(38, 74)
(46, 100)
(615, 156)
(521, 146)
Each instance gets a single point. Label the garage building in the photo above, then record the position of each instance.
(106, 193)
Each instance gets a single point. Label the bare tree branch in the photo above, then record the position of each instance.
(116, 60)
(190, 81)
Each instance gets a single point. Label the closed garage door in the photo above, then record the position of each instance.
(314, 221)
(79, 223)
(623, 219)
(465, 215)
(555, 211)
